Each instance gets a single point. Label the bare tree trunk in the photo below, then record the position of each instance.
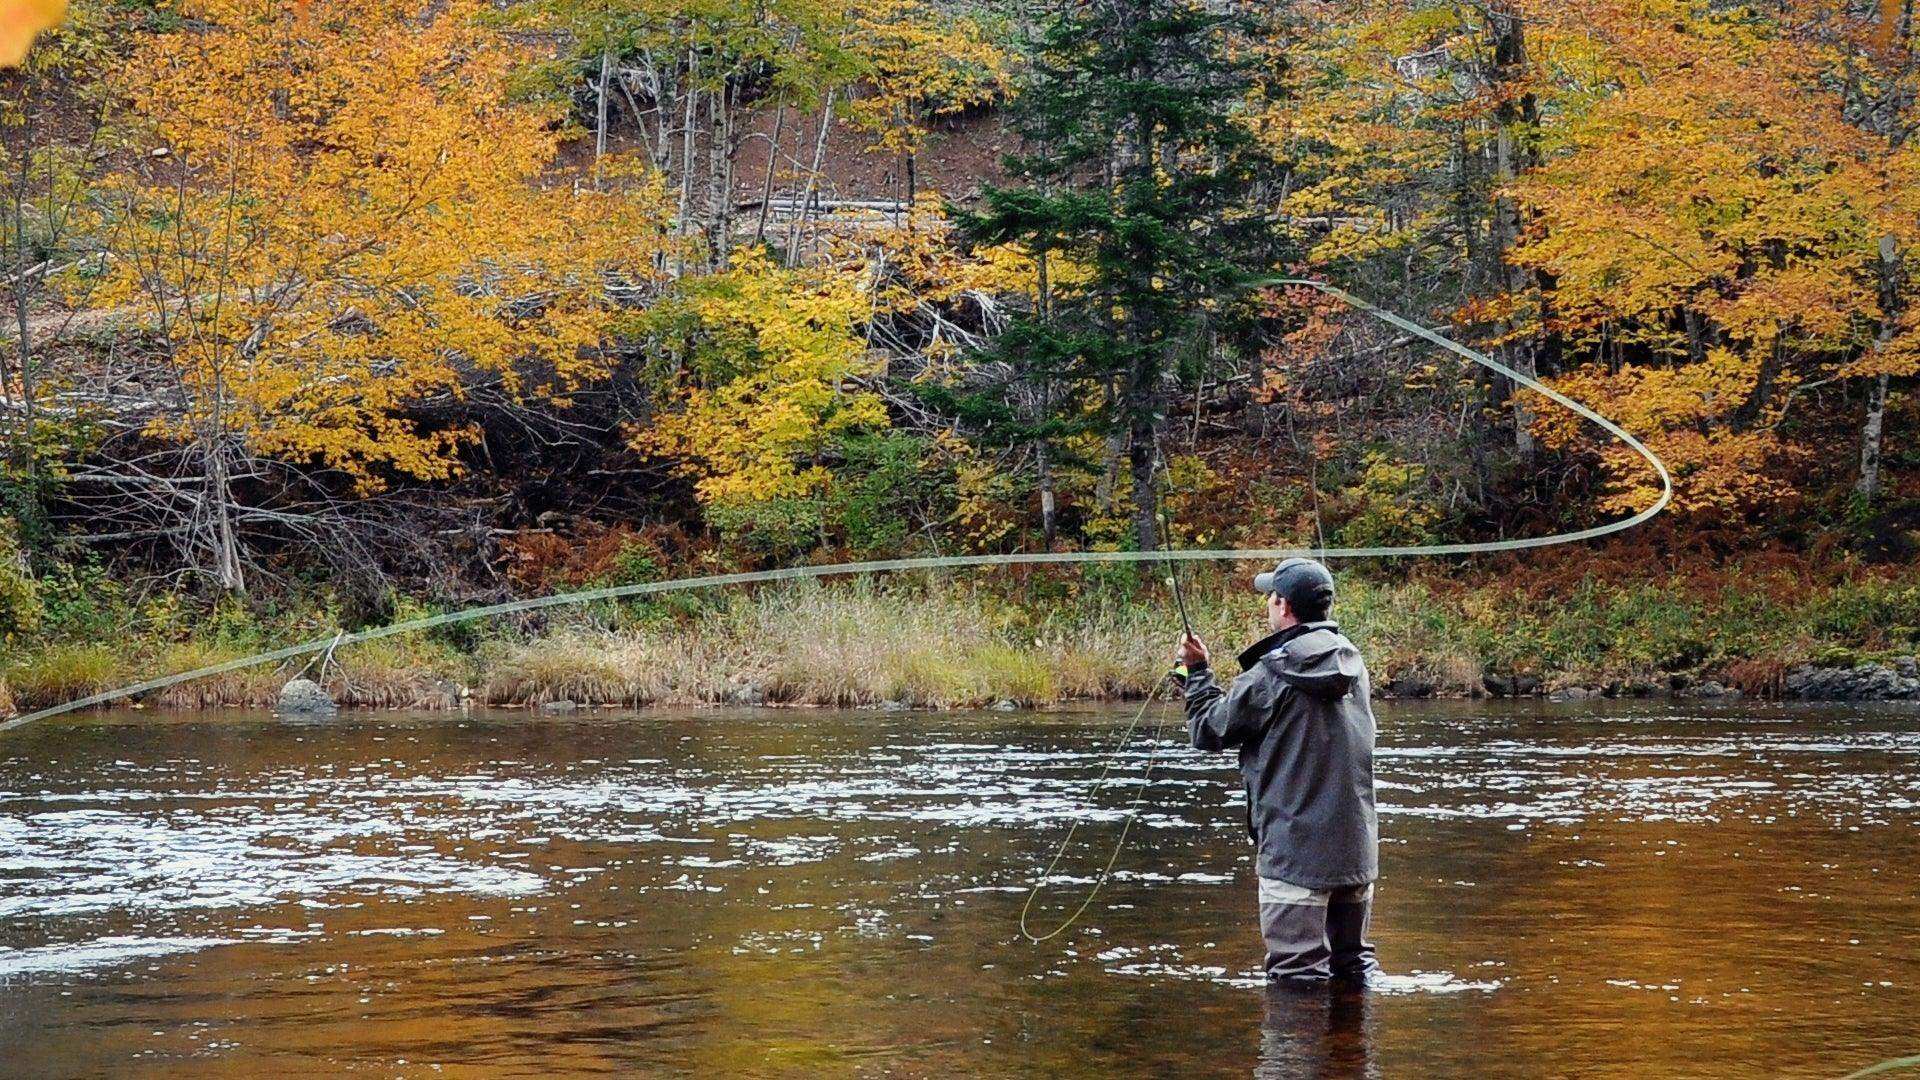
(1043, 465)
(799, 227)
(686, 168)
(600, 112)
(1049, 514)
(23, 451)
(228, 573)
(22, 154)
(1114, 445)
(720, 173)
(766, 185)
(1868, 486)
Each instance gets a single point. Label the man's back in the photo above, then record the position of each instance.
(1302, 719)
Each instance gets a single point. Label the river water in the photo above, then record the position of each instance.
(1580, 890)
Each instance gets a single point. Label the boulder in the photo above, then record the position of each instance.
(1862, 682)
(564, 705)
(306, 698)
(1503, 685)
(1409, 686)
(1573, 693)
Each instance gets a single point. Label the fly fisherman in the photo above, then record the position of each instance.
(1300, 717)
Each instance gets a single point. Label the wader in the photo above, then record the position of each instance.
(1314, 935)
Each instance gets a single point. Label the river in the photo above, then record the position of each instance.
(1591, 889)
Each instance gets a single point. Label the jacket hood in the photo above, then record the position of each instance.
(1319, 662)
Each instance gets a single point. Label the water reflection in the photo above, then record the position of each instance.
(1306, 1035)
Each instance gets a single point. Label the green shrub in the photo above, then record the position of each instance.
(20, 606)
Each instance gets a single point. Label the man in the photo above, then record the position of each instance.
(1300, 716)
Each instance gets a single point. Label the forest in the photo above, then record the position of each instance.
(322, 314)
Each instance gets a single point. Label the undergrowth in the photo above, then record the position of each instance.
(1028, 636)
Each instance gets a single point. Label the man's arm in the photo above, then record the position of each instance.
(1222, 719)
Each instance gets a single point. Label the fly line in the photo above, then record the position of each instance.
(954, 562)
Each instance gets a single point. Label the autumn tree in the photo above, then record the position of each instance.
(764, 365)
(342, 215)
(1711, 233)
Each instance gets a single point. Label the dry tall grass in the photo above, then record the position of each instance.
(923, 645)
(969, 640)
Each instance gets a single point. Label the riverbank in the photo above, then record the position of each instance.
(1043, 637)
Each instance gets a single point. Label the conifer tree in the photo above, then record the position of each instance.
(1136, 167)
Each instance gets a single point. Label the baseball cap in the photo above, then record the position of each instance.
(1300, 582)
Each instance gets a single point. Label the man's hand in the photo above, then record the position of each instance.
(1192, 652)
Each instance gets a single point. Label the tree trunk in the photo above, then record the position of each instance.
(227, 569)
(1043, 464)
(1763, 383)
(766, 186)
(720, 173)
(600, 112)
(1868, 486)
(22, 448)
(1143, 438)
(799, 228)
(688, 116)
(1515, 119)
(1049, 520)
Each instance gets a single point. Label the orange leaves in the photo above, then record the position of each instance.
(1683, 414)
(1708, 168)
(1719, 476)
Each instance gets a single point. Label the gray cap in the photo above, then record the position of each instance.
(1300, 582)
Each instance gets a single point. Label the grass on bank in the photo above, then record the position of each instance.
(1032, 637)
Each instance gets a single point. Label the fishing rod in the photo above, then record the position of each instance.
(1166, 539)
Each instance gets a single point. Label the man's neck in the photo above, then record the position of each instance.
(1252, 654)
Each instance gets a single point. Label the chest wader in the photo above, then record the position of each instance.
(1314, 935)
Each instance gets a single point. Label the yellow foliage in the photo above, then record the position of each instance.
(1682, 415)
(770, 362)
(343, 214)
(918, 60)
(928, 266)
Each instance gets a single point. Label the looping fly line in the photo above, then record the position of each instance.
(337, 640)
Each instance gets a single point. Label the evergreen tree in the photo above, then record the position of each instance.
(1137, 169)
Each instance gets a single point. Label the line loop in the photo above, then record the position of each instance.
(952, 562)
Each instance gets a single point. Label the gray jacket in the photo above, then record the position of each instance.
(1300, 715)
